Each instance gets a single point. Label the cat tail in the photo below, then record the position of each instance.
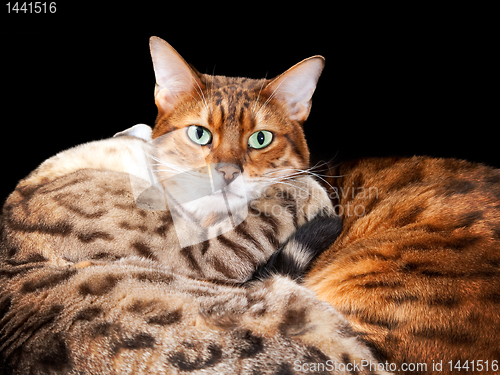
(294, 258)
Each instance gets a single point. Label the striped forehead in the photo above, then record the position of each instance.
(231, 106)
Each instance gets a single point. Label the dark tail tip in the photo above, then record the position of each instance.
(295, 256)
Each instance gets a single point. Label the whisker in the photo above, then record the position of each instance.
(198, 89)
(298, 172)
(258, 96)
(173, 167)
(271, 96)
(202, 96)
(299, 188)
(211, 89)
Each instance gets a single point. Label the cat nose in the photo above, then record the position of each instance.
(229, 171)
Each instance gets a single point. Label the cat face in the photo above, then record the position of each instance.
(227, 139)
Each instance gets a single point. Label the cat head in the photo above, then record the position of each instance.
(238, 127)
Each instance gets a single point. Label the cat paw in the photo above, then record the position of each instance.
(312, 200)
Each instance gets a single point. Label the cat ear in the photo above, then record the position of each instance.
(295, 87)
(174, 76)
(141, 131)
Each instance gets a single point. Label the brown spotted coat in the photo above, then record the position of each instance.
(416, 269)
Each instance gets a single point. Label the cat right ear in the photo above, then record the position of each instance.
(174, 77)
(295, 87)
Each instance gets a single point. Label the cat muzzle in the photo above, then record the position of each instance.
(228, 171)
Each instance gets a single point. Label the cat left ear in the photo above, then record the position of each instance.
(174, 76)
(295, 87)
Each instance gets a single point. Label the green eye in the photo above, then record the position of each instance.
(199, 135)
(260, 139)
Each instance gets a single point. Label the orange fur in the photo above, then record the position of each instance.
(232, 109)
(226, 108)
(416, 269)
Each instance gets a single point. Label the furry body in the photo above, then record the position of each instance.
(79, 206)
(416, 268)
(96, 277)
(133, 317)
(91, 283)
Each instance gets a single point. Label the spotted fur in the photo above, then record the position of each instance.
(133, 317)
(90, 284)
(95, 281)
(78, 206)
(416, 269)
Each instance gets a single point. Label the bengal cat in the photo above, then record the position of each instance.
(416, 268)
(127, 255)
(79, 206)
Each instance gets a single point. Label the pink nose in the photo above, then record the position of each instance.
(229, 172)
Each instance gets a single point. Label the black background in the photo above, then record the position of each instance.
(406, 82)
